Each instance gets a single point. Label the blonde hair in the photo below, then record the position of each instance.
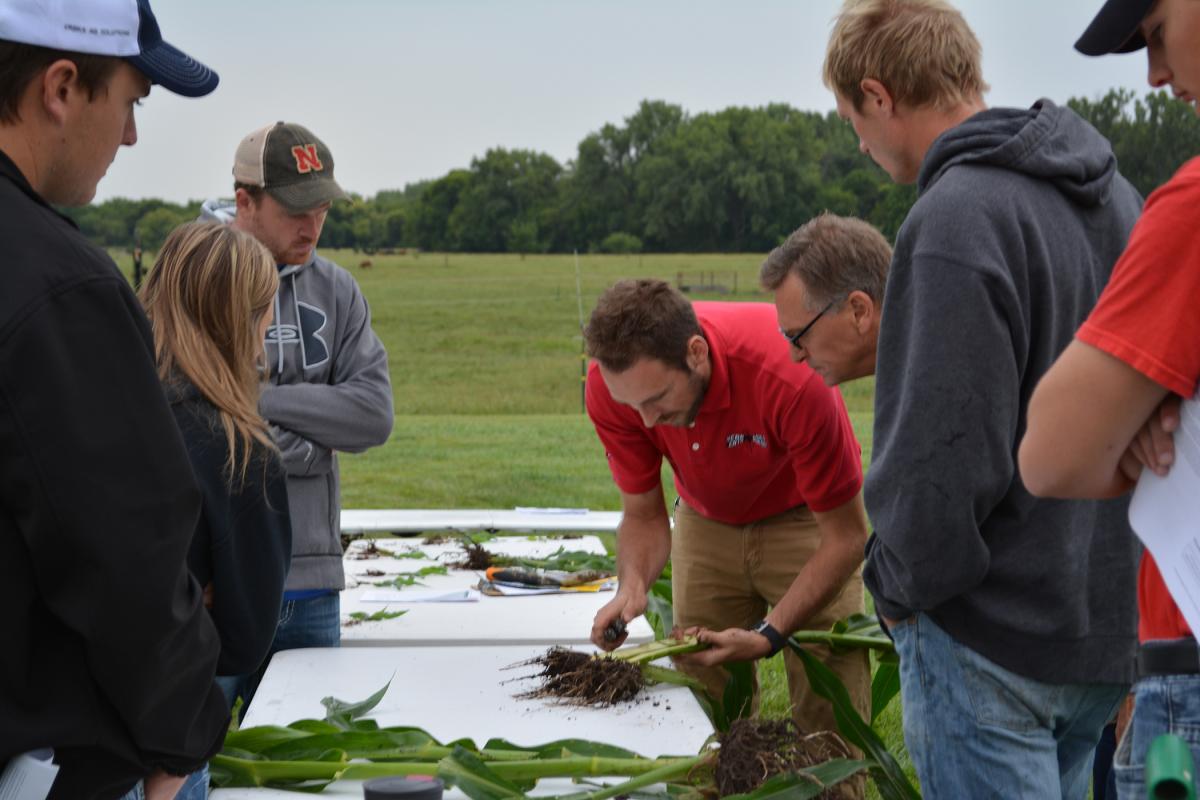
(206, 297)
(923, 51)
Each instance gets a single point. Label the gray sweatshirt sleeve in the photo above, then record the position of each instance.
(354, 411)
(299, 455)
(947, 404)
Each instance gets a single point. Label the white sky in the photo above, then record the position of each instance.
(403, 90)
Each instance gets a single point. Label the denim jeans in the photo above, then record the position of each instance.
(315, 622)
(1162, 704)
(194, 788)
(975, 730)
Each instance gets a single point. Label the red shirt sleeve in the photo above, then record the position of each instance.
(1147, 315)
(826, 456)
(633, 458)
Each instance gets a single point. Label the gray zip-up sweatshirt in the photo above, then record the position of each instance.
(1020, 216)
(329, 390)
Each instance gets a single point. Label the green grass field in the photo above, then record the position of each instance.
(484, 353)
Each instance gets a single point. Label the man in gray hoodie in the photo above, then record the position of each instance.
(329, 388)
(1013, 617)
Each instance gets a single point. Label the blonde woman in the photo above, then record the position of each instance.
(209, 300)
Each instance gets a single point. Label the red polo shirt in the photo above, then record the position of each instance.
(1146, 317)
(770, 435)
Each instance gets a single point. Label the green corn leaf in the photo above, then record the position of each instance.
(467, 771)
(737, 701)
(562, 748)
(711, 709)
(889, 777)
(339, 712)
(314, 726)
(362, 616)
(264, 737)
(806, 783)
(674, 677)
(884, 685)
(375, 745)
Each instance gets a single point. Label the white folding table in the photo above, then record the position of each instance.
(536, 619)
(394, 520)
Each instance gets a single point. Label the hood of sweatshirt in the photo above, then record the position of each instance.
(225, 211)
(218, 210)
(1045, 141)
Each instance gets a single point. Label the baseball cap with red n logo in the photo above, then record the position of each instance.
(123, 28)
(290, 164)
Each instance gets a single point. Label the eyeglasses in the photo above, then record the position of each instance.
(794, 338)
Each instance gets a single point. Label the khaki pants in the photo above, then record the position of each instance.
(727, 576)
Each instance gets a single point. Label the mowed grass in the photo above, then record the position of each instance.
(484, 355)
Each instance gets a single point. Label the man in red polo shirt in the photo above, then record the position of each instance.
(1139, 348)
(769, 526)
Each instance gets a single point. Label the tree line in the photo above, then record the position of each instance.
(736, 180)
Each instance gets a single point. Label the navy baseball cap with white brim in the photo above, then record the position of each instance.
(1116, 28)
(123, 28)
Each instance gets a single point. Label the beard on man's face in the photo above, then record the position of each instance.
(699, 385)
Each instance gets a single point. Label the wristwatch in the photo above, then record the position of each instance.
(777, 639)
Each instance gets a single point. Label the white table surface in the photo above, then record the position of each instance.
(455, 692)
(412, 520)
(357, 562)
(536, 619)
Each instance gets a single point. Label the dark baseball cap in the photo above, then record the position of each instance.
(1116, 28)
(291, 164)
(123, 28)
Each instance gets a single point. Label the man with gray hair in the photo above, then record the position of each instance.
(832, 268)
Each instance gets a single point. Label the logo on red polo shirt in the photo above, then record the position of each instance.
(738, 439)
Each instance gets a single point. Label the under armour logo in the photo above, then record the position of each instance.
(306, 158)
(313, 349)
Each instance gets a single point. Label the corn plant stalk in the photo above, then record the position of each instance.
(659, 648)
(250, 772)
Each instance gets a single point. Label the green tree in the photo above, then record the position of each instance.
(154, 226)
(430, 221)
(504, 186)
(1151, 136)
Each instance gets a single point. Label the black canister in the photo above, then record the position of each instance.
(400, 788)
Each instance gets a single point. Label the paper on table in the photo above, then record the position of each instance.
(408, 596)
(504, 589)
(1165, 514)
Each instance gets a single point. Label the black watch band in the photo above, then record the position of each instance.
(777, 639)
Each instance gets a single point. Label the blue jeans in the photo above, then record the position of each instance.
(315, 622)
(194, 788)
(1162, 704)
(975, 730)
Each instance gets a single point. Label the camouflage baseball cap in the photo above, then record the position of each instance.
(290, 164)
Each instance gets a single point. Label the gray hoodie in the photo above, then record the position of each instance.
(1020, 216)
(329, 390)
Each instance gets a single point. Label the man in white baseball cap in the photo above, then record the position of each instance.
(108, 653)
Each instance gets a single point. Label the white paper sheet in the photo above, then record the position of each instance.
(29, 776)
(1165, 513)
(418, 596)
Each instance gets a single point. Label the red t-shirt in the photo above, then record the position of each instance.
(769, 436)
(1148, 317)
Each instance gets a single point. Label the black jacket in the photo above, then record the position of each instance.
(107, 654)
(1020, 216)
(243, 543)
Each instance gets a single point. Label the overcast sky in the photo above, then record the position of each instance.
(403, 90)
